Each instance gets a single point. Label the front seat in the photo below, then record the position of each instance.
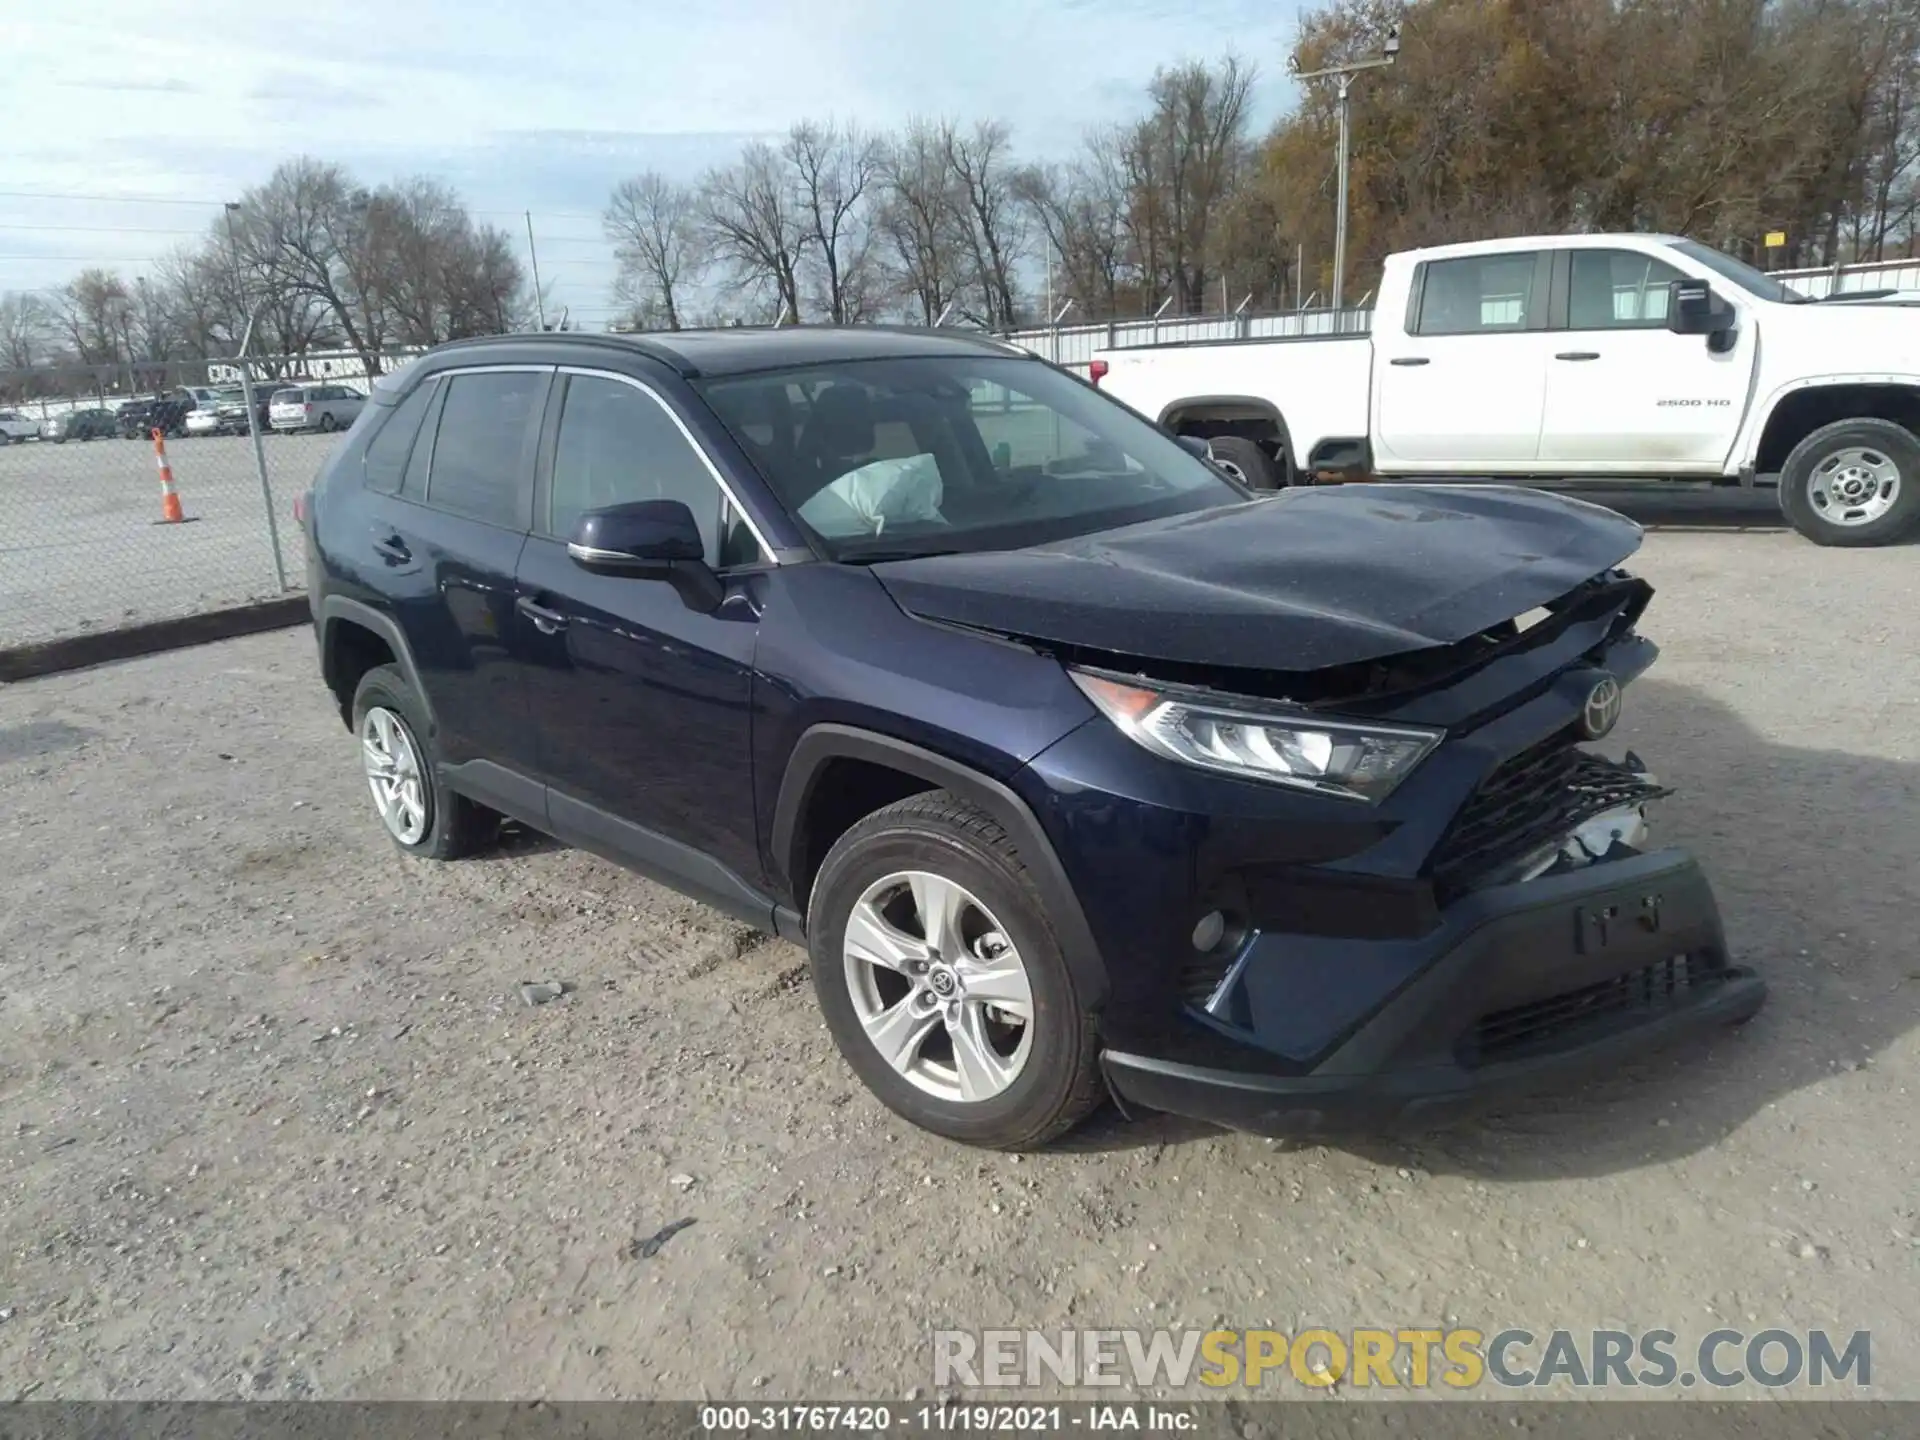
(839, 431)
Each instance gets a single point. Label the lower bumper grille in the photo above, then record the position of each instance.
(1560, 1021)
(1526, 803)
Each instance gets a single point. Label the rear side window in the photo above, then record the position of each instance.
(1478, 294)
(392, 443)
(482, 466)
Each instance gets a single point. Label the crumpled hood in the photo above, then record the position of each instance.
(1302, 580)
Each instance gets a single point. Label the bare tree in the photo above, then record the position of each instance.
(305, 231)
(982, 164)
(1185, 157)
(654, 227)
(922, 221)
(1081, 209)
(833, 169)
(752, 222)
(27, 330)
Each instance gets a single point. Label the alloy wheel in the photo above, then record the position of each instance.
(394, 774)
(938, 986)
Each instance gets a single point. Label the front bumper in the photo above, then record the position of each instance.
(1522, 985)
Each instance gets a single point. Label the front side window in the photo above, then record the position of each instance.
(481, 466)
(1618, 290)
(878, 458)
(618, 445)
(1478, 294)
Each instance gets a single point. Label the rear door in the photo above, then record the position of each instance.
(447, 537)
(642, 705)
(1624, 394)
(1461, 385)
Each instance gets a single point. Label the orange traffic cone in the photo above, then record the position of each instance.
(170, 511)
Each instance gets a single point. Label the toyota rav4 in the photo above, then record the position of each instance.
(1076, 767)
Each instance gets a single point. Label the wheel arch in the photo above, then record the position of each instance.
(1796, 412)
(822, 745)
(344, 659)
(1247, 416)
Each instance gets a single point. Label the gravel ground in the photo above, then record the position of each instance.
(79, 549)
(275, 1120)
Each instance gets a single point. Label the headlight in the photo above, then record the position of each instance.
(1333, 757)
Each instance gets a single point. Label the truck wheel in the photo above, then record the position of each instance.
(1245, 460)
(942, 981)
(1853, 483)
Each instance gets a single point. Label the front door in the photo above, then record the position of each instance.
(641, 705)
(1461, 389)
(450, 489)
(1624, 394)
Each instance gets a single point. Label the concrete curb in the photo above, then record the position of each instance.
(77, 652)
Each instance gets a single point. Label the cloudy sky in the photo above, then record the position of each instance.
(538, 105)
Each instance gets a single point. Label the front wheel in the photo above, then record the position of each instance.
(1853, 483)
(942, 981)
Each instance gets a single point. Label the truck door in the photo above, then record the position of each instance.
(1461, 385)
(1624, 394)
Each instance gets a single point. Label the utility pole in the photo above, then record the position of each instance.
(539, 301)
(1343, 76)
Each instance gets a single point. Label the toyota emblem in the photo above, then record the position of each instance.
(1602, 710)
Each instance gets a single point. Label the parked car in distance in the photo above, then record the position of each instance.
(1074, 765)
(15, 426)
(210, 417)
(1573, 356)
(91, 424)
(131, 419)
(316, 407)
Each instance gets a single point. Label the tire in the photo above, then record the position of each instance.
(450, 825)
(326, 423)
(1054, 1061)
(1853, 483)
(1247, 461)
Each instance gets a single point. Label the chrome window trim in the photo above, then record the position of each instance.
(768, 554)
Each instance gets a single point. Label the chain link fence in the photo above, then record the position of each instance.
(1073, 346)
(84, 547)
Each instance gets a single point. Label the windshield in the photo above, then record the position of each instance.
(894, 458)
(1754, 282)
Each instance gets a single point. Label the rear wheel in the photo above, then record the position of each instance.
(421, 815)
(326, 423)
(942, 981)
(1853, 483)
(1247, 461)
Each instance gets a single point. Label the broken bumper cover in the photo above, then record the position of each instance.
(1522, 986)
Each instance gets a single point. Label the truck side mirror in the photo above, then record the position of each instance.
(1693, 309)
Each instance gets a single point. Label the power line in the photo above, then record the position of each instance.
(106, 229)
(105, 199)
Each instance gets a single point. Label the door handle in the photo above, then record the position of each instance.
(547, 622)
(1578, 355)
(393, 547)
(1408, 360)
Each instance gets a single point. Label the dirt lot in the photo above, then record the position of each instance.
(275, 1120)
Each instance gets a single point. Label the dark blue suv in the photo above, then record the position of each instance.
(1076, 767)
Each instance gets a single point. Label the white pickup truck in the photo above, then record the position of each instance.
(1572, 356)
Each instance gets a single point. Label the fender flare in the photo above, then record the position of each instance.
(1746, 450)
(826, 742)
(336, 608)
(1247, 402)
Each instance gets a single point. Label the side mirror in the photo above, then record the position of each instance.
(1196, 446)
(1693, 309)
(651, 540)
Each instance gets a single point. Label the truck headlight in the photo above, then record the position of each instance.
(1358, 760)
